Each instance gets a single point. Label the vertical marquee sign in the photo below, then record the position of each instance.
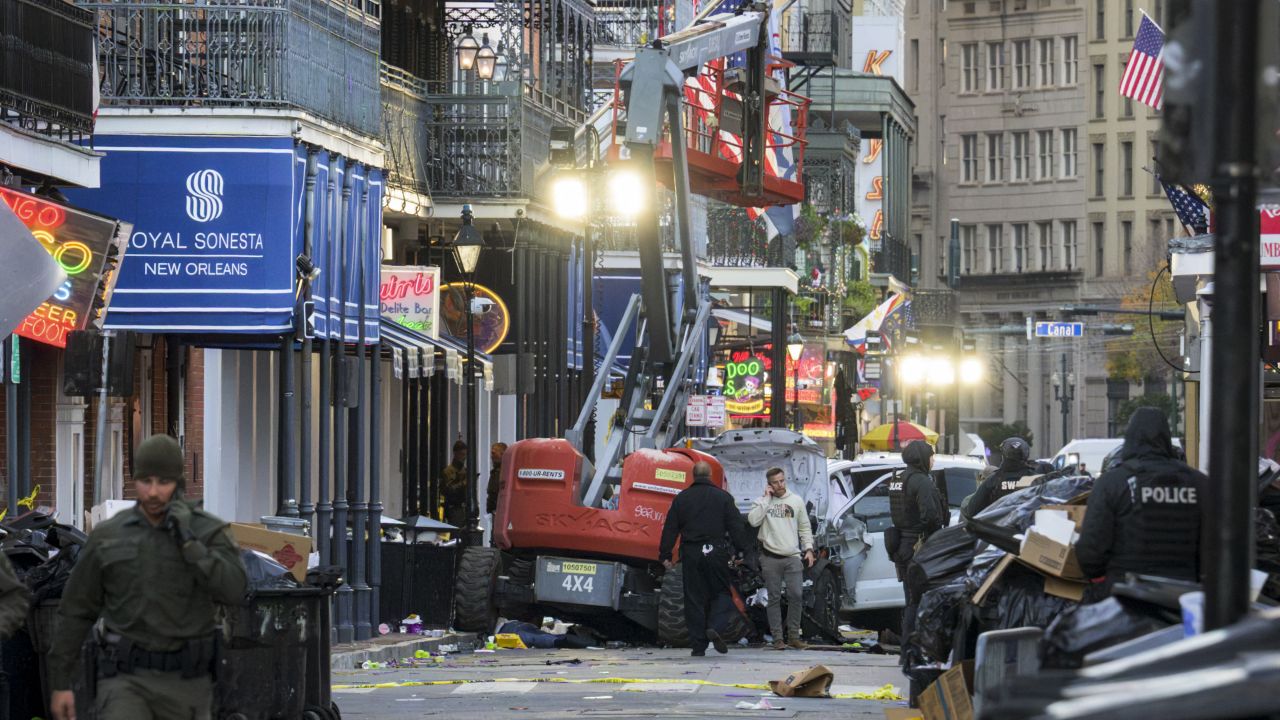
(81, 243)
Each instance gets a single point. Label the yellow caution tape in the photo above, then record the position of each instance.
(29, 502)
(886, 693)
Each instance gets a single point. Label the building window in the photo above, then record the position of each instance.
(969, 158)
(1022, 156)
(1126, 103)
(995, 157)
(1126, 237)
(1170, 229)
(1068, 152)
(1045, 231)
(1099, 91)
(1097, 249)
(1070, 59)
(969, 67)
(1069, 244)
(1100, 19)
(1155, 181)
(1153, 234)
(1021, 64)
(995, 248)
(968, 249)
(1128, 18)
(914, 61)
(995, 66)
(1048, 63)
(1044, 139)
(1098, 175)
(1020, 248)
(1126, 169)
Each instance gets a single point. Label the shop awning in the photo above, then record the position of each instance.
(414, 354)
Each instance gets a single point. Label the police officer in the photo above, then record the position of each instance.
(706, 520)
(14, 600)
(1014, 465)
(149, 578)
(918, 511)
(1144, 515)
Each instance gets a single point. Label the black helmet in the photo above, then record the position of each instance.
(1014, 451)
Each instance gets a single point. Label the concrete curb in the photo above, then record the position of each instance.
(351, 657)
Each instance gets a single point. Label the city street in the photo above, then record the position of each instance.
(632, 682)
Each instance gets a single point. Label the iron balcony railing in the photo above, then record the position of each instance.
(490, 139)
(46, 66)
(893, 257)
(319, 56)
(404, 129)
(817, 37)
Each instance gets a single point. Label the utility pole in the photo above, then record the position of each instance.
(1064, 391)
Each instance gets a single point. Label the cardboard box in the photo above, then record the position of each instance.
(290, 551)
(1050, 556)
(1075, 512)
(902, 714)
(951, 696)
(1066, 589)
(810, 682)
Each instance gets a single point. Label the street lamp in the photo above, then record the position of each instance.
(486, 60)
(795, 348)
(467, 244)
(1064, 391)
(467, 50)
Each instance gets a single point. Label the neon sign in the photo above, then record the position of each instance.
(410, 296)
(744, 386)
(79, 242)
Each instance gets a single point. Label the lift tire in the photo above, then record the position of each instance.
(519, 571)
(672, 628)
(826, 607)
(474, 606)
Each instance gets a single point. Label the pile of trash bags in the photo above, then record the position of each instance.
(953, 564)
(42, 552)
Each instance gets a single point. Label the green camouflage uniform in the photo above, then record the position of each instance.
(155, 594)
(13, 600)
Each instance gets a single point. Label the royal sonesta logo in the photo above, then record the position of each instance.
(204, 195)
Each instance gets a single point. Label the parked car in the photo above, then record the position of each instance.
(858, 515)
(1089, 452)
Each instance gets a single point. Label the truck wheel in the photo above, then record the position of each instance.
(672, 630)
(826, 607)
(474, 606)
(519, 571)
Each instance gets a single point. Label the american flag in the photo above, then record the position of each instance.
(1192, 211)
(1144, 75)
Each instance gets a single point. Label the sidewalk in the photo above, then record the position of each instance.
(395, 647)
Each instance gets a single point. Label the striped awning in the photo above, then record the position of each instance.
(415, 355)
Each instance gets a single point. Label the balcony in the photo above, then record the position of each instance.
(892, 257)
(316, 56)
(46, 65)
(489, 143)
(404, 129)
(816, 33)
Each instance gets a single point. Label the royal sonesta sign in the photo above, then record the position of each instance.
(79, 242)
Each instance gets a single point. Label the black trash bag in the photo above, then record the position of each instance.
(1267, 542)
(1012, 514)
(984, 561)
(265, 573)
(47, 581)
(937, 617)
(943, 557)
(1019, 600)
(1089, 628)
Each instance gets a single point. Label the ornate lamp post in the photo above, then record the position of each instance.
(467, 245)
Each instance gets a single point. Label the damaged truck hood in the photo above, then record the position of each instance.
(745, 455)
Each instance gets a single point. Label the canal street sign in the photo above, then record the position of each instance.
(1059, 329)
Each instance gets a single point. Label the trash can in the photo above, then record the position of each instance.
(274, 662)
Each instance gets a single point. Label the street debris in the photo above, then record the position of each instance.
(762, 705)
(812, 681)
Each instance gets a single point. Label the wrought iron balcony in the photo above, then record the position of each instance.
(404, 129)
(734, 240)
(492, 141)
(937, 306)
(46, 65)
(816, 33)
(626, 23)
(893, 257)
(319, 56)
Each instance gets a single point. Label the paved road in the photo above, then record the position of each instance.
(540, 684)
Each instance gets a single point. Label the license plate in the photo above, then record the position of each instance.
(577, 582)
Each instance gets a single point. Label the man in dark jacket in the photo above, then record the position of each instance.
(707, 521)
(1144, 515)
(454, 487)
(918, 511)
(1014, 465)
(495, 475)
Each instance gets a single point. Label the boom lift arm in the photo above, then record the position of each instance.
(672, 339)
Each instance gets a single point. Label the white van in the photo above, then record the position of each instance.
(1088, 452)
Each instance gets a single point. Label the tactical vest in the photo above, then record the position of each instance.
(1006, 483)
(906, 516)
(1161, 533)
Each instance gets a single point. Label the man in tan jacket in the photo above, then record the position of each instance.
(784, 532)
